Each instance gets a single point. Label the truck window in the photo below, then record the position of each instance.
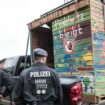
(10, 64)
(2, 63)
(21, 65)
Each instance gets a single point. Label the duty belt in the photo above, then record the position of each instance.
(40, 103)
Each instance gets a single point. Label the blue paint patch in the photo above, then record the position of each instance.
(98, 41)
(68, 56)
(66, 60)
(98, 73)
(99, 66)
(98, 35)
(66, 69)
(62, 69)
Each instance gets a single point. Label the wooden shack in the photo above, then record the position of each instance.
(75, 41)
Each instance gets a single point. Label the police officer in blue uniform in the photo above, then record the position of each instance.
(6, 81)
(39, 84)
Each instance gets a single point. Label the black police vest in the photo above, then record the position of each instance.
(41, 83)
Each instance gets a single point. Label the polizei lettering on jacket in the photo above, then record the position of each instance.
(40, 74)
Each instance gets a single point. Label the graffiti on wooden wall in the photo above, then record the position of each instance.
(72, 43)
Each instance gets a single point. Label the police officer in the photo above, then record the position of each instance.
(39, 84)
(7, 82)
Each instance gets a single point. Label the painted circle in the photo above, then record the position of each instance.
(38, 91)
(69, 46)
(43, 91)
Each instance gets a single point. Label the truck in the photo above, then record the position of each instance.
(72, 87)
(74, 36)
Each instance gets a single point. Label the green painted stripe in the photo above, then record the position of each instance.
(59, 52)
(60, 56)
(85, 12)
(69, 20)
(64, 65)
(56, 42)
(58, 32)
(83, 41)
(100, 79)
(100, 92)
(72, 14)
(58, 47)
(100, 85)
(63, 25)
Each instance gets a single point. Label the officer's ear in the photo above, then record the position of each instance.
(45, 59)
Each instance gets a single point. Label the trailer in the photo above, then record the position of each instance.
(74, 36)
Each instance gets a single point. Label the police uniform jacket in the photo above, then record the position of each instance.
(39, 84)
(7, 81)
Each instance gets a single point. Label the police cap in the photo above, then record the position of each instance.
(40, 52)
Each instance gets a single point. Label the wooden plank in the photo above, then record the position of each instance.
(93, 99)
(82, 64)
(83, 48)
(57, 42)
(73, 34)
(86, 12)
(100, 92)
(100, 79)
(96, 4)
(99, 42)
(97, 66)
(98, 35)
(86, 73)
(63, 70)
(99, 48)
(85, 25)
(96, 10)
(97, 29)
(71, 28)
(69, 20)
(97, 19)
(83, 41)
(68, 23)
(100, 85)
(98, 59)
(97, 24)
(56, 47)
(101, 54)
(97, 14)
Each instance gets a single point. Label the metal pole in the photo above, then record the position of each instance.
(31, 51)
(26, 51)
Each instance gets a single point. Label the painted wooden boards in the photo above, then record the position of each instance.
(68, 32)
(79, 47)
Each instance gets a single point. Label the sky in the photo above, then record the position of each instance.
(14, 16)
